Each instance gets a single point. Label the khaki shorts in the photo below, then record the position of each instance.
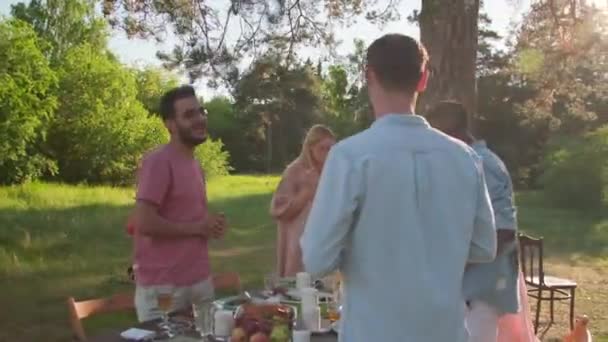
(200, 294)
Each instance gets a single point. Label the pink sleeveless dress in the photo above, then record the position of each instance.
(518, 327)
(291, 216)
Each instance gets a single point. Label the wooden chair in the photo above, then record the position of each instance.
(539, 284)
(125, 301)
(83, 309)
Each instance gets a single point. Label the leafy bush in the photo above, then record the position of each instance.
(576, 171)
(213, 158)
(100, 130)
(26, 103)
(225, 124)
(211, 155)
(152, 83)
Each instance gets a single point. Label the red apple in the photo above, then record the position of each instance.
(238, 335)
(250, 326)
(259, 337)
(265, 327)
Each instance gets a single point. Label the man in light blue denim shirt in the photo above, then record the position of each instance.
(491, 289)
(400, 210)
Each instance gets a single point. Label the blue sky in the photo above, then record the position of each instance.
(140, 52)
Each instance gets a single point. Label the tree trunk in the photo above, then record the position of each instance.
(448, 29)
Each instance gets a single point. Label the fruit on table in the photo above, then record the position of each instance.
(280, 333)
(251, 326)
(238, 335)
(265, 327)
(263, 323)
(259, 337)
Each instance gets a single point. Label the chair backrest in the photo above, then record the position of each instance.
(227, 281)
(83, 309)
(531, 259)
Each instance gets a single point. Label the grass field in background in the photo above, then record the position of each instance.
(58, 241)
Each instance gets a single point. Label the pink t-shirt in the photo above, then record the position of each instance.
(175, 183)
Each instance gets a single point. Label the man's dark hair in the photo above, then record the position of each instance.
(167, 101)
(453, 111)
(398, 61)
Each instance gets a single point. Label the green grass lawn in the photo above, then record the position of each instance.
(59, 241)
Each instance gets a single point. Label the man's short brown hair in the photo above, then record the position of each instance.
(398, 61)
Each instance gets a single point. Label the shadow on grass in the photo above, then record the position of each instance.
(47, 255)
(566, 232)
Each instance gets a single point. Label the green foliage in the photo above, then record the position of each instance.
(530, 61)
(26, 103)
(564, 66)
(152, 83)
(69, 111)
(577, 171)
(224, 124)
(208, 47)
(213, 158)
(101, 130)
(222, 119)
(63, 24)
(277, 104)
(547, 84)
(346, 104)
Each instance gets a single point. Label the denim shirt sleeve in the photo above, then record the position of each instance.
(500, 188)
(331, 216)
(483, 243)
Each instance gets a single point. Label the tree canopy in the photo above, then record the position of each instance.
(27, 103)
(214, 35)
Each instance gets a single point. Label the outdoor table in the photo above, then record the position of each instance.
(114, 336)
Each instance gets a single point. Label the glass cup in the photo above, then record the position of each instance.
(270, 283)
(164, 298)
(333, 312)
(204, 318)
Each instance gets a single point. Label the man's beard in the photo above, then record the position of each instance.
(186, 137)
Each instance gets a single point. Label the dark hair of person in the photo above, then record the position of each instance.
(167, 101)
(398, 62)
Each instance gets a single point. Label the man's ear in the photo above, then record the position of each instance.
(424, 80)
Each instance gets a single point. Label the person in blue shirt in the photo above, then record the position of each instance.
(400, 210)
(491, 289)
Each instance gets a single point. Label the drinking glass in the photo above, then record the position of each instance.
(203, 318)
(334, 307)
(333, 311)
(164, 297)
(270, 282)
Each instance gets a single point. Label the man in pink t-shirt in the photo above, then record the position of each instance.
(171, 220)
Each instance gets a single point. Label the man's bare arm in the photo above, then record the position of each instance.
(150, 223)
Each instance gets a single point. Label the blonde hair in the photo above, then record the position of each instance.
(314, 135)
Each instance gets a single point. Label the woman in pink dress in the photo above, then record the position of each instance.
(292, 201)
(518, 327)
